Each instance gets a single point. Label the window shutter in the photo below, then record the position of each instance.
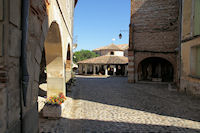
(198, 61)
(197, 18)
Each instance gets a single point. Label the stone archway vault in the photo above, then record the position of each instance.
(68, 64)
(54, 61)
(155, 69)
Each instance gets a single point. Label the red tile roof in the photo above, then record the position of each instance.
(123, 46)
(109, 47)
(106, 60)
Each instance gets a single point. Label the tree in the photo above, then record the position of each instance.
(83, 55)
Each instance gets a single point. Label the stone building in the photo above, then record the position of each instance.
(190, 48)
(154, 41)
(121, 49)
(29, 28)
(124, 47)
(112, 61)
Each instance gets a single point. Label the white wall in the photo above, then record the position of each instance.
(118, 53)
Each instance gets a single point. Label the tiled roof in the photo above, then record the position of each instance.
(123, 46)
(106, 59)
(109, 47)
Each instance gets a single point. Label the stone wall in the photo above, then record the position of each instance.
(154, 32)
(10, 47)
(156, 25)
(15, 116)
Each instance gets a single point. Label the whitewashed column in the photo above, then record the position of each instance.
(80, 69)
(94, 69)
(115, 70)
(86, 69)
(106, 70)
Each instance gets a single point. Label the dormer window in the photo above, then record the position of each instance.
(112, 53)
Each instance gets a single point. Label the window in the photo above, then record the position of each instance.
(112, 53)
(197, 17)
(195, 61)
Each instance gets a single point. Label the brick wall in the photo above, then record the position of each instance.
(154, 31)
(156, 25)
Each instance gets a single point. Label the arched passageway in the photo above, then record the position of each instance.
(155, 69)
(68, 61)
(43, 75)
(54, 61)
(68, 64)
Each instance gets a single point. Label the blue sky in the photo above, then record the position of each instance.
(97, 22)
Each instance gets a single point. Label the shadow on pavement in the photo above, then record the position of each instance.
(153, 98)
(64, 125)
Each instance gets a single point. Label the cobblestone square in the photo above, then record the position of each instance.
(111, 105)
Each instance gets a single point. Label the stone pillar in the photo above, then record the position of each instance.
(106, 70)
(159, 71)
(94, 69)
(80, 69)
(97, 68)
(86, 69)
(131, 67)
(126, 70)
(115, 70)
(90, 68)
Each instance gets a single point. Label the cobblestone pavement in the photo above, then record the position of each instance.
(100, 105)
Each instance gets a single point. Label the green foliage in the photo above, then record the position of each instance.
(83, 55)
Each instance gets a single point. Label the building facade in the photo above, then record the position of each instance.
(190, 47)
(154, 41)
(29, 28)
(112, 61)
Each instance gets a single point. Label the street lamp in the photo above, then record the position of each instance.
(120, 35)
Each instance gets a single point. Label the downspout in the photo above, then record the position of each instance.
(24, 27)
(180, 39)
(23, 59)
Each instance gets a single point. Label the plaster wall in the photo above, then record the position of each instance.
(188, 83)
(119, 53)
(187, 19)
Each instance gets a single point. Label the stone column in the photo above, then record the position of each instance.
(86, 69)
(159, 71)
(126, 69)
(80, 69)
(98, 69)
(106, 70)
(115, 70)
(94, 69)
(90, 67)
(131, 66)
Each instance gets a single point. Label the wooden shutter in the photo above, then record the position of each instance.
(197, 18)
(198, 61)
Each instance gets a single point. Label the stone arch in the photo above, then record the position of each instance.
(54, 61)
(68, 61)
(155, 69)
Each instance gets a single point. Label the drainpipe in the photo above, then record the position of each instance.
(180, 38)
(23, 60)
(24, 27)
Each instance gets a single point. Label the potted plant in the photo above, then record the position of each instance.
(54, 106)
